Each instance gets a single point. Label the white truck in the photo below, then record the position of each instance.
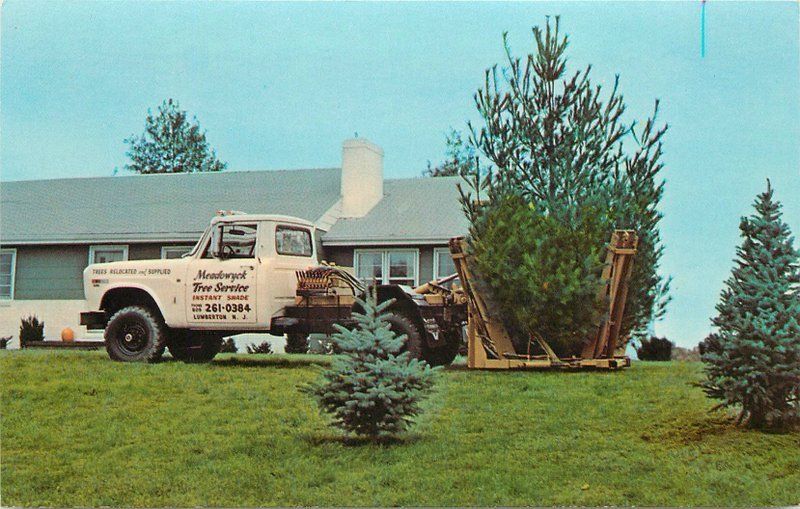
(250, 273)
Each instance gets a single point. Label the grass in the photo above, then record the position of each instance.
(78, 429)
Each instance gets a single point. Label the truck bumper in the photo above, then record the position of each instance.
(94, 320)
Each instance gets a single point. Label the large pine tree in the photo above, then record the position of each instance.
(559, 143)
(752, 360)
(171, 144)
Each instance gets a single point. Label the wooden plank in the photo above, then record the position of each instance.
(76, 345)
(616, 276)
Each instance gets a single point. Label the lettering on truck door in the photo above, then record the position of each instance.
(221, 282)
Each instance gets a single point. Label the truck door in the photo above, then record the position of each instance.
(294, 250)
(221, 281)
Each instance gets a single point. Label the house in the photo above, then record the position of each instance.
(395, 230)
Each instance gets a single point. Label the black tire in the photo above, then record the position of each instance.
(445, 354)
(296, 343)
(193, 347)
(135, 334)
(400, 324)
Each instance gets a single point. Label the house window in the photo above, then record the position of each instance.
(8, 266)
(293, 241)
(369, 266)
(105, 254)
(443, 265)
(171, 252)
(387, 266)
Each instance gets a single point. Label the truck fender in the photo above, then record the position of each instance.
(134, 286)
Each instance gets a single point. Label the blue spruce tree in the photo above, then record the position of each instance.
(372, 390)
(752, 361)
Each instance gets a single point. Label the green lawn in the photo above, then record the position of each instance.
(78, 429)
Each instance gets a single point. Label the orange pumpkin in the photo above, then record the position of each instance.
(67, 334)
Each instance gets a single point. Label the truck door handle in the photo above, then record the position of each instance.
(248, 267)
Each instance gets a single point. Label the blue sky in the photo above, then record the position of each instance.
(281, 85)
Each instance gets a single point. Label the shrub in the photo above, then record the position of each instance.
(228, 346)
(296, 343)
(752, 359)
(655, 349)
(31, 329)
(4, 342)
(685, 354)
(372, 390)
(265, 348)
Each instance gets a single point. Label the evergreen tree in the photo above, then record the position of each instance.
(556, 142)
(373, 390)
(459, 158)
(752, 360)
(655, 349)
(542, 273)
(171, 144)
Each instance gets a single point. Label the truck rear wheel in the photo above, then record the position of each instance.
(399, 324)
(135, 334)
(445, 354)
(192, 347)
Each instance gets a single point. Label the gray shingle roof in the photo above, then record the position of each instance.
(419, 210)
(155, 207)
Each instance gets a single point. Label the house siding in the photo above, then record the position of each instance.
(56, 272)
(50, 272)
(425, 264)
(144, 251)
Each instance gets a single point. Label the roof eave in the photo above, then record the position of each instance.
(111, 239)
(435, 241)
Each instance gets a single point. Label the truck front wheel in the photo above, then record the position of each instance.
(135, 334)
(194, 347)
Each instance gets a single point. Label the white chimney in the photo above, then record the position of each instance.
(362, 177)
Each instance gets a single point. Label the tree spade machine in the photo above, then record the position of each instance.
(488, 340)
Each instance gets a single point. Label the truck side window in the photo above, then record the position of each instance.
(293, 241)
(233, 241)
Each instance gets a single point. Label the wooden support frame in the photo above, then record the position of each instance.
(490, 345)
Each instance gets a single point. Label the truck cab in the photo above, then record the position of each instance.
(239, 274)
(252, 273)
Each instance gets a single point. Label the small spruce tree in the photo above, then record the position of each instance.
(752, 360)
(373, 390)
